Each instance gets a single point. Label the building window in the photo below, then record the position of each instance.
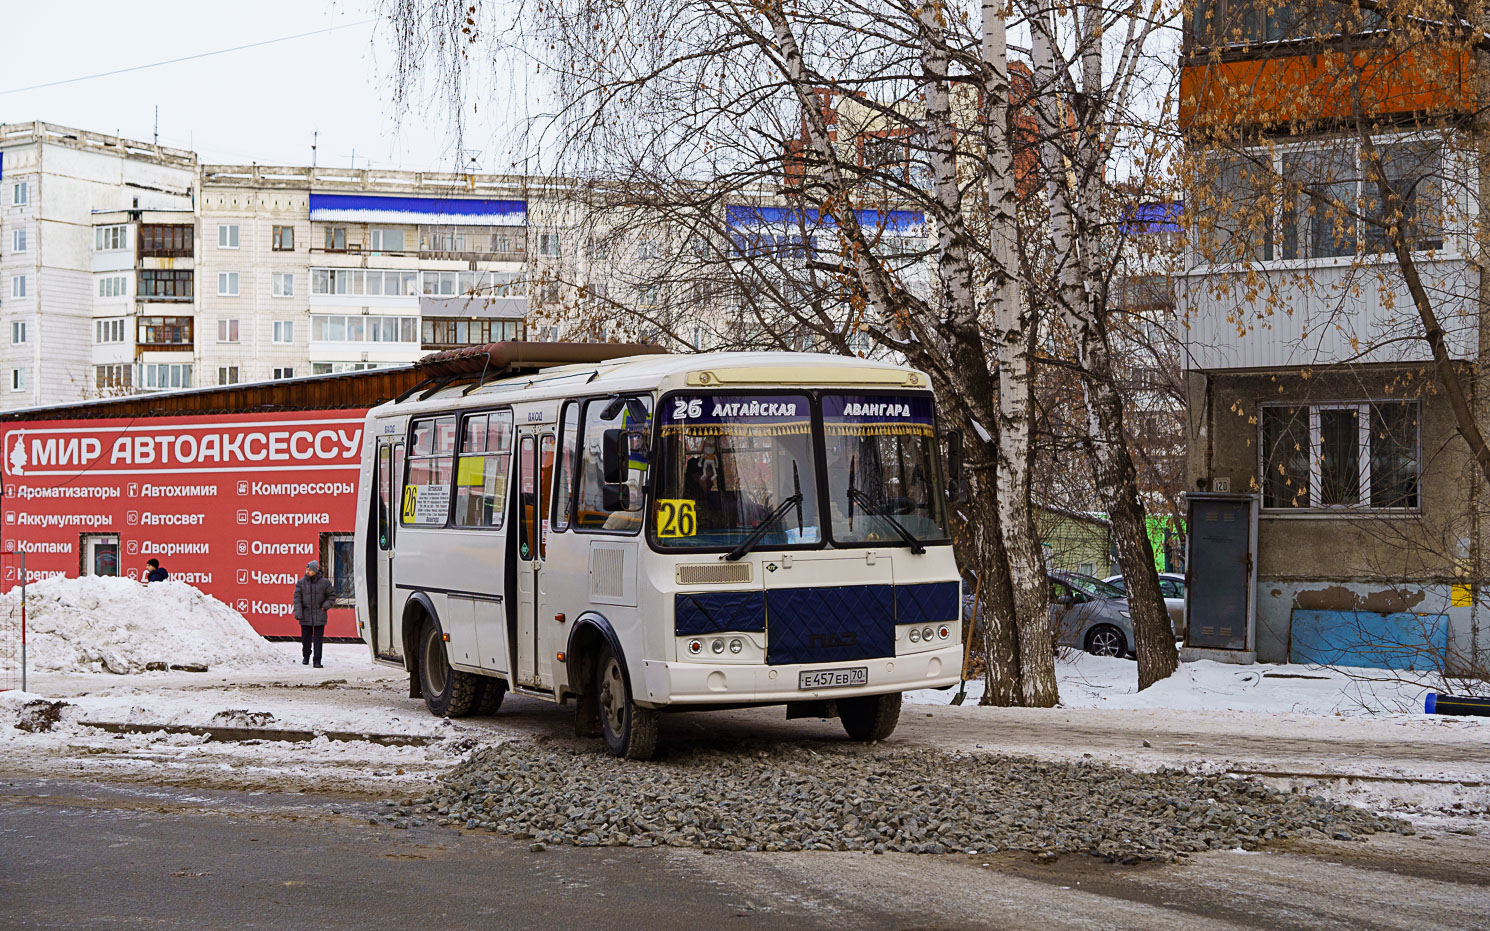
(548, 244)
(363, 328)
(113, 286)
(336, 239)
(108, 331)
(18, 286)
(444, 333)
(646, 249)
(227, 284)
(110, 238)
(227, 236)
(287, 372)
(284, 239)
(698, 246)
(17, 379)
(18, 241)
(337, 368)
(1341, 456)
(364, 282)
(454, 284)
(173, 332)
(227, 375)
(284, 331)
(227, 331)
(164, 284)
(20, 193)
(165, 240)
(112, 376)
(647, 297)
(17, 332)
(387, 240)
(162, 376)
(336, 561)
(284, 284)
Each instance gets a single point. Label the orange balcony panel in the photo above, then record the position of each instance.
(1308, 88)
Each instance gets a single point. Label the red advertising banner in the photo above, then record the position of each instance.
(234, 504)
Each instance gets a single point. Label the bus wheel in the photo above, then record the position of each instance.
(447, 692)
(489, 694)
(870, 717)
(629, 731)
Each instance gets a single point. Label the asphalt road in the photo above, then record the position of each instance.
(76, 854)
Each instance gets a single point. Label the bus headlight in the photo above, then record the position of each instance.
(927, 635)
(915, 635)
(695, 647)
(944, 631)
(736, 646)
(717, 646)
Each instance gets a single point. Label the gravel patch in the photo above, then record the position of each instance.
(916, 801)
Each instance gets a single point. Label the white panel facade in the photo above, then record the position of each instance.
(1321, 312)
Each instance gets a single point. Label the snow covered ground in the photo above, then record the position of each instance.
(258, 719)
(1106, 682)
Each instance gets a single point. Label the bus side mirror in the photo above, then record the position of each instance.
(615, 497)
(613, 455)
(954, 462)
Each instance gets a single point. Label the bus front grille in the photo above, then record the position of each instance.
(724, 573)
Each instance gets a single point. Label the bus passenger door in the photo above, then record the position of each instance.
(389, 481)
(534, 483)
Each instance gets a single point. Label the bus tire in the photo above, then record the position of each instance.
(869, 717)
(629, 731)
(489, 694)
(448, 692)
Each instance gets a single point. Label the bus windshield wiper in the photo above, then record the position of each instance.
(759, 530)
(854, 494)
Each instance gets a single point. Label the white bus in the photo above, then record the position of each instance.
(661, 532)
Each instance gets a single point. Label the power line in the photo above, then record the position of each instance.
(174, 61)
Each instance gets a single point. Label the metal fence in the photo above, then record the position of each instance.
(12, 620)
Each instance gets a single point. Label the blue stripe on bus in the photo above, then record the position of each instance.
(698, 613)
(830, 624)
(927, 603)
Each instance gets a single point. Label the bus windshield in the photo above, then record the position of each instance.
(883, 482)
(727, 464)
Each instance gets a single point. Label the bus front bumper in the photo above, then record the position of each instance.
(706, 683)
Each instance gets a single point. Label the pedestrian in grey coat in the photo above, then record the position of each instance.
(314, 594)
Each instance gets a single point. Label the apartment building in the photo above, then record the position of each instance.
(76, 279)
(310, 271)
(1312, 384)
(130, 268)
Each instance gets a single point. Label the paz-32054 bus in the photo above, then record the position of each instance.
(660, 532)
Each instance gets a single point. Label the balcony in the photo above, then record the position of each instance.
(1320, 312)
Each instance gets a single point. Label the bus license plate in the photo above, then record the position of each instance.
(833, 678)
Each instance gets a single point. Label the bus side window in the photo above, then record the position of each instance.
(481, 470)
(589, 512)
(564, 490)
(385, 494)
(426, 497)
(545, 489)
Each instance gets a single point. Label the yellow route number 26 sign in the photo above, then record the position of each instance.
(676, 517)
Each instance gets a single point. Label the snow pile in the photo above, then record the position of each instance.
(1106, 682)
(99, 624)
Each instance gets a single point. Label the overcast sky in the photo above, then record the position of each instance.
(256, 105)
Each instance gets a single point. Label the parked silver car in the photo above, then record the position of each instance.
(1172, 587)
(1090, 614)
